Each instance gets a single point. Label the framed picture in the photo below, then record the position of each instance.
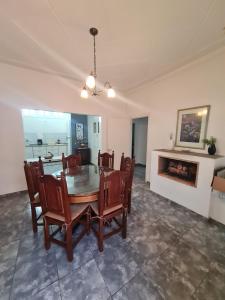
(192, 126)
(79, 131)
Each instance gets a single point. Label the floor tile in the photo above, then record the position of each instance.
(151, 240)
(118, 263)
(8, 254)
(82, 253)
(168, 281)
(169, 253)
(51, 292)
(213, 287)
(85, 283)
(35, 268)
(189, 262)
(138, 288)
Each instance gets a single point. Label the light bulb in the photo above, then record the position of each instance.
(111, 93)
(90, 81)
(84, 93)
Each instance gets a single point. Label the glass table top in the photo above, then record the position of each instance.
(83, 181)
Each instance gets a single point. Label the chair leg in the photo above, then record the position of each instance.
(100, 235)
(69, 246)
(129, 202)
(124, 224)
(34, 218)
(47, 236)
(88, 224)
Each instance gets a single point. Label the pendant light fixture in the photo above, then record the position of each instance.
(90, 88)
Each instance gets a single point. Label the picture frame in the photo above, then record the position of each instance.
(79, 131)
(192, 127)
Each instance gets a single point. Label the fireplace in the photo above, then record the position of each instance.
(183, 171)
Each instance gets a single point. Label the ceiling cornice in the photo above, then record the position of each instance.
(185, 65)
(25, 66)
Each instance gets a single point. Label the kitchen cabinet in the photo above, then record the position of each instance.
(28, 152)
(63, 149)
(34, 151)
(85, 155)
(39, 151)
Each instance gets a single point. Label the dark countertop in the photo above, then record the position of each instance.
(36, 145)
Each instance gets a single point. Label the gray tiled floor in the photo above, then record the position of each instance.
(170, 253)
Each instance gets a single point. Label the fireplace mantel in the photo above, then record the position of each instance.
(190, 153)
(196, 198)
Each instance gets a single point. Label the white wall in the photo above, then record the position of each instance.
(119, 138)
(47, 126)
(199, 83)
(140, 140)
(11, 150)
(23, 88)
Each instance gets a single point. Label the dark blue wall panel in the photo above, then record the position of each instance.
(78, 119)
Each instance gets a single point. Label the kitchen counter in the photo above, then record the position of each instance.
(44, 145)
(35, 150)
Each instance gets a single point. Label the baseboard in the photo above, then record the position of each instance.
(140, 165)
(13, 194)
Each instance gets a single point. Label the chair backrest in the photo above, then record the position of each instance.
(106, 160)
(111, 191)
(71, 162)
(54, 196)
(127, 165)
(32, 172)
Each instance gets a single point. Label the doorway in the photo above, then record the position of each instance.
(139, 145)
(48, 134)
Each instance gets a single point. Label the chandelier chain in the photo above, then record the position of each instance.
(95, 74)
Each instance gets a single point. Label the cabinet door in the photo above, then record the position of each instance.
(85, 155)
(39, 151)
(53, 149)
(63, 149)
(28, 152)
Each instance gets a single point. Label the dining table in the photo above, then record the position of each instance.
(82, 183)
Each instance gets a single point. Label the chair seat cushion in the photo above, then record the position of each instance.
(76, 210)
(107, 211)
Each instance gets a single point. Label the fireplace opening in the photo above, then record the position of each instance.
(179, 170)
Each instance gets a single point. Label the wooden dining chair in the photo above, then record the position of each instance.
(127, 165)
(110, 205)
(32, 171)
(57, 210)
(106, 160)
(71, 162)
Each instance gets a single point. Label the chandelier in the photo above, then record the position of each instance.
(90, 88)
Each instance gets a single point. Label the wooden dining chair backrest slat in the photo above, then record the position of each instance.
(127, 165)
(32, 171)
(71, 162)
(112, 191)
(106, 160)
(54, 196)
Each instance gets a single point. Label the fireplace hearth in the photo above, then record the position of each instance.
(180, 170)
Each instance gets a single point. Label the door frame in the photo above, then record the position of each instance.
(147, 170)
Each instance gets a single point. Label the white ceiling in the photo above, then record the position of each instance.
(139, 40)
